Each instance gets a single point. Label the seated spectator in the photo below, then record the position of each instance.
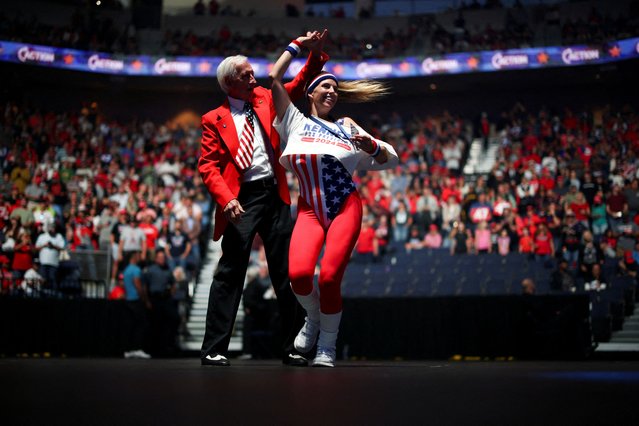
(581, 209)
(596, 281)
(571, 239)
(366, 247)
(22, 257)
(590, 254)
(529, 221)
(598, 215)
(561, 279)
(199, 8)
(401, 221)
(525, 193)
(481, 210)
(483, 238)
(543, 244)
(626, 241)
(49, 244)
(433, 239)
(382, 235)
(461, 239)
(609, 244)
(32, 281)
(628, 265)
(6, 276)
(616, 208)
(415, 240)
(179, 246)
(528, 287)
(214, 7)
(526, 243)
(503, 243)
(451, 213)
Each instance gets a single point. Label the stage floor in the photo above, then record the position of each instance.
(181, 392)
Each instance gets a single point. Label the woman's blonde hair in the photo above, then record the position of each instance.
(357, 91)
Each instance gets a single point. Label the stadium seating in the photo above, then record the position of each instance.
(435, 273)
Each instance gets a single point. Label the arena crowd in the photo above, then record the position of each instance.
(89, 30)
(564, 186)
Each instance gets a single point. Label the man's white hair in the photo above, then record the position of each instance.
(228, 68)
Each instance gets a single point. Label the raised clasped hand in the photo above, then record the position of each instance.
(313, 40)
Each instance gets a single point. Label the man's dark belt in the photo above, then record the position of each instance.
(259, 184)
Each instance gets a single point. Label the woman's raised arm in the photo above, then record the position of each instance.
(312, 40)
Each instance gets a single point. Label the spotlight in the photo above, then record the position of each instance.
(369, 46)
(98, 3)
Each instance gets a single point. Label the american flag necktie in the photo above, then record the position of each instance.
(244, 156)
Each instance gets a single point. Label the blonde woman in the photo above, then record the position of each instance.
(323, 153)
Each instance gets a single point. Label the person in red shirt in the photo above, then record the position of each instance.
(374, 184)
(6, 278)
(118, 292)
(530, 141)
(451, 190)
(82, 232)
(528, 221)
(546, 180)
(543, 243)
(581, 209)
(526, 243)
(151, 232)
(366, 247)
(22, 257)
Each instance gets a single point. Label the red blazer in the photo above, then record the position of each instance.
(220, 143)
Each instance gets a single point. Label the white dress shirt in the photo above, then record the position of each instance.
(261, 167)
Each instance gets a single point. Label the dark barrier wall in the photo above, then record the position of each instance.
(415, 328)
(62, 327)
(486, 326)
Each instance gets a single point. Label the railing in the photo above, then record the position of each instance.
(84, 275)
(93, 265)
(38, 289)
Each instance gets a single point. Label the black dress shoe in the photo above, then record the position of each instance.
(216, 359)
(294, 360)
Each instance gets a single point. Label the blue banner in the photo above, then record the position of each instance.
(454, 63)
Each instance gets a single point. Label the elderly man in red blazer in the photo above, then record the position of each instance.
(239, 165)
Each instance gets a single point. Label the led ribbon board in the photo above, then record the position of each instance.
(453, 63)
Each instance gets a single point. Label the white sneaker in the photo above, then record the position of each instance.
(306, 338)
(140, 354)
(325, 357)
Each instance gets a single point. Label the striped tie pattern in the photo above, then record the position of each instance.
(244, 156)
